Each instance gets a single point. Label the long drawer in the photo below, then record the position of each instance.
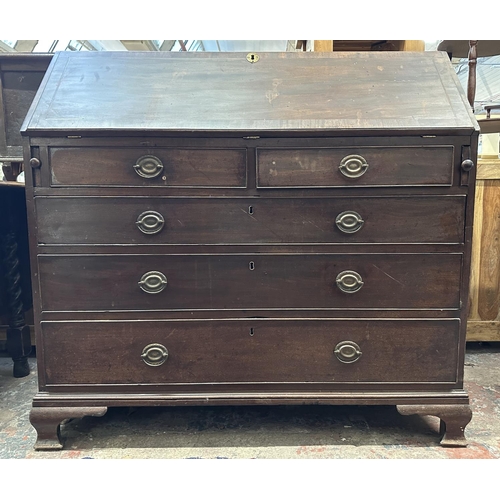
(362, 166)
(249, 281)
(191, 352)
(176, 167)
(135, 220)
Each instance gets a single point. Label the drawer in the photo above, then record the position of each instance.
(363, 166)
(166, 167)
(209, 221)
(261, 351)
(249, 281)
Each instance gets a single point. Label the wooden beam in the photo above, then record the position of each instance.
(488, 169)
(25, 45)
(413, 45)
(146, 45)
(483, 331)
(167, 45)
(106, 44)
(362, 45)
(6, 48)
(323, 45)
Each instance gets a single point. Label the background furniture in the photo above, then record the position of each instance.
(20, 77)
(484, 304)
(274, 228)
(15, 286)
(360, 45)
(472, 49)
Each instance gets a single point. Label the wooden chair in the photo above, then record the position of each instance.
(472, 49)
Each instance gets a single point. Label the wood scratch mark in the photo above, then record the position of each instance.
(171, 333)
(394, 279)
(315, 225)
(265, 226)
(249, 215)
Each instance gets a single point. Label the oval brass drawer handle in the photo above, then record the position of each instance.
(349, 222)
(349, 281)
(148, 166)
(353, 166)
(153, 282)
(154, 354)
(347, 351)
(150, 222)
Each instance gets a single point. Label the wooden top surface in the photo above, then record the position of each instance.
(221, 92)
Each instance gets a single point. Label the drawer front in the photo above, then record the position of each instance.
(249, 281)
(191, 352)
(368, 166)
(148, 167)
(127, 220)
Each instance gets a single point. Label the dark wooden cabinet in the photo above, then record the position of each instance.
(20, 77)
(210, 230)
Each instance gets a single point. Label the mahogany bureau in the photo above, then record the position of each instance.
(277, 228)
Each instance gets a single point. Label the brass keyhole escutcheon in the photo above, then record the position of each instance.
(252, 57)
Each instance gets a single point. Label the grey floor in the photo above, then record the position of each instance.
(271, 432)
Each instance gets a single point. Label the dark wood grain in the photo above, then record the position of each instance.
(251, 312)
(114, 167)
(387, 167)
(218, 221)
(453, 420)
(46, 421)
(246, 351)
(227, 282)
(283, 91)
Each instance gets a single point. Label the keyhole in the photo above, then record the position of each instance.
(251, 332)
(252, 58)
(250, 210)
(251, 265)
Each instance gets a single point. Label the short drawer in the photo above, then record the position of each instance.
(211, 221)
(363, 166)
(167, 167)
(249, 281)
(196, 352)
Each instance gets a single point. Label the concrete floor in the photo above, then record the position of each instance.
(279, 432)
